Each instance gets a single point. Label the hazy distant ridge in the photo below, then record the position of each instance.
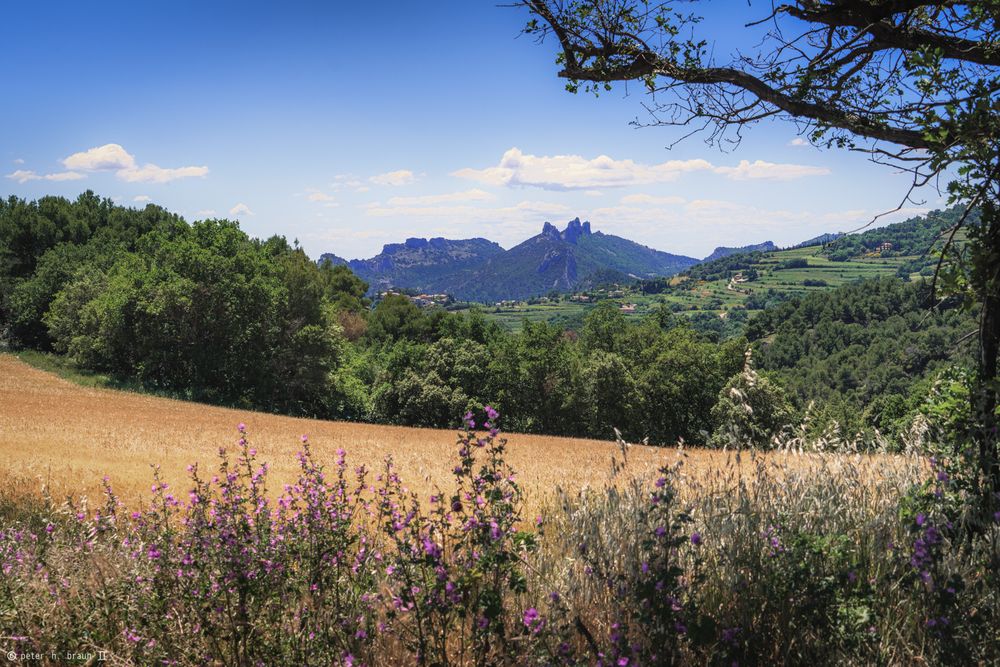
(480, 270)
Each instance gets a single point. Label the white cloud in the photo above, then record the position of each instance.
(151, 173)
(427, 200)
(574, 172)
(348, 182)
(538, 209)
(112, 157)
(25, 175)
(206, 213)
(142, 198)
(394, 178)
(109, 157)
(319, 196)
(63, 176)
(798, 141)
(761, 170)
(18, 160)
(240, 209)
(652, 200)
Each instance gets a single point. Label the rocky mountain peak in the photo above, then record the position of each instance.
(549, 231)
(574, 230)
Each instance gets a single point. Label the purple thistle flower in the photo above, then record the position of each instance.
(533, 620)
(696, 538)
(241, 427)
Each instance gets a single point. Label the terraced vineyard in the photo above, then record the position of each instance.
(717, 297)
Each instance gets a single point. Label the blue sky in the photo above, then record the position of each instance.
(350, 125)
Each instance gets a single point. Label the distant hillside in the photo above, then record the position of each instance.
(333, 259)
(427, 265)
(754, 280)
(913, 237)
(723, 251)
(480, 270)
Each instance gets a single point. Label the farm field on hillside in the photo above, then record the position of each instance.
(715, 296)
(68, 437)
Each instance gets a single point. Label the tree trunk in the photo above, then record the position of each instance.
(985, 398)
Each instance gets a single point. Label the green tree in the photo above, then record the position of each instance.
(611, 396)
(679, 381)
(395, 318)
(603, 327)
(751, 410)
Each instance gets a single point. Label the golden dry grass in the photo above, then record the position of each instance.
(68, 437)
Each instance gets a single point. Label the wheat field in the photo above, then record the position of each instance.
(65, 437)
(68, 437)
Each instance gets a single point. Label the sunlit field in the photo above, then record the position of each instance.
(68, 437)
(65, 437)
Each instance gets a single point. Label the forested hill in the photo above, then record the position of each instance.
(916, 237)
(864, 353)
(480, 270)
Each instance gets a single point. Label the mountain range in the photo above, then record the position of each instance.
(480, 270)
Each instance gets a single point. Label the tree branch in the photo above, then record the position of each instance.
(647, 64)
(889, 35)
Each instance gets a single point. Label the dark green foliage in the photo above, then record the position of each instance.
(858, 351)
(796, 263)
(722, 268)
(201, 310)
